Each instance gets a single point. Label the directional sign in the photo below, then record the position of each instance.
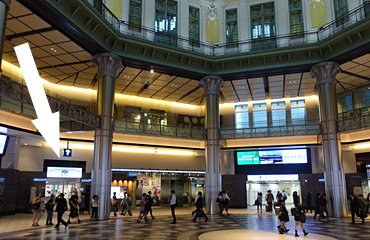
(67, 152)
(47, 122)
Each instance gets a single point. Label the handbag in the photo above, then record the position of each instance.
(256, 202)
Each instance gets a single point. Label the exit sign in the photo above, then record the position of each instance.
(67, 152)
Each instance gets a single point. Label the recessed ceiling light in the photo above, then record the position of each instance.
(151, 70)
(25, 144)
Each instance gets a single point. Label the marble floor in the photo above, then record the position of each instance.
(241, 225)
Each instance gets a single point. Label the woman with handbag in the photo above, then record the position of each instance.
(299, 218)
(284, 218)
(259, 202)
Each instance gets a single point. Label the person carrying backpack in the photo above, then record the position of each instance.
(299, 218)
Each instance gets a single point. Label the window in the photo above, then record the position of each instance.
(278, 112)
(134, 17)
(194, 26)
(165, 24)
(231, 27)
(295, 17)
(263, 25)
(340, 10)
(241, 116)
(298, 111)
(259, 115)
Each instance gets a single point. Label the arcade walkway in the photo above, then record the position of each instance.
(241, 225)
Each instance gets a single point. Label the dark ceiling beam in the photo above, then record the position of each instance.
(340, 84)
(65, 64)
(266, 86)
(300, 85)
(236, 93)
(250, 90)
(94, 80)
(284, 86)
(133, 79)
(163, 86)
(29, 33)
(188, 93)
(177, 89)
(355, 75)
(146, 85)
(71, 75)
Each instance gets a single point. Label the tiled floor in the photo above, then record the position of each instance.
(242, 224)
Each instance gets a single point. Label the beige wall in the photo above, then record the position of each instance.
(31, 159)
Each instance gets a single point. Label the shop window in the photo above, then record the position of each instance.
(298, 112)
(278, 112)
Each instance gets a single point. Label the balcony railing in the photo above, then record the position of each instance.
(252, 45)
(277, 131)
(158, 129)
(353, 120)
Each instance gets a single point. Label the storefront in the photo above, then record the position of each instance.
(63, 180)
(160, 183)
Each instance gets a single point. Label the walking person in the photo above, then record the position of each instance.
(94, 207)
(36, 209)
(82, 204)
(143, 210)
(259, 202)
(299, 218)
(73, 208)
(173, 205)
(220, 202)
(199, 211)
(128, 201)
(324, 208)
(114, 203)
(123, 203)
(60, 209)
(49, 207)
(150, 203)
(317, 205)
(362, 208)
(368, 202)
(269, 201)
(284, 218)
(308, 202)
(226, 200)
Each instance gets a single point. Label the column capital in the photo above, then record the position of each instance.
(211, 84)
(325, 72)
(107, 64)
(6, 2)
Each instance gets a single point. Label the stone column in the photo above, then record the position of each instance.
(212, 85)
(331, 148)
(107, 64)
(4, 8)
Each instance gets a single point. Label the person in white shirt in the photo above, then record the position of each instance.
(226, 199)
(173, 204)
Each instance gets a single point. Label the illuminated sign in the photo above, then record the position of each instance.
(64, 172)
(261, 157)
(265, 178)
(67, 152)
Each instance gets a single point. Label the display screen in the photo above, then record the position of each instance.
(284, 156)
(3, 141)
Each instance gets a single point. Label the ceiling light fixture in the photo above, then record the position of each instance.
(151, 70)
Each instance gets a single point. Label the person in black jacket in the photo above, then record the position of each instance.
(355, 206)
(284, 218)
(317, 205)
(199, 211)
(49, 207)
(60, 209)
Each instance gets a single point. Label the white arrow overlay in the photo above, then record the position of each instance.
(47, 122)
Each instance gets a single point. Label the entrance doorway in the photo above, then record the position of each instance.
(262, 183)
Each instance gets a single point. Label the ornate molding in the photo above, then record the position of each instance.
(212, 85)
(19, 93)
(107, 64)
(325, 72)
